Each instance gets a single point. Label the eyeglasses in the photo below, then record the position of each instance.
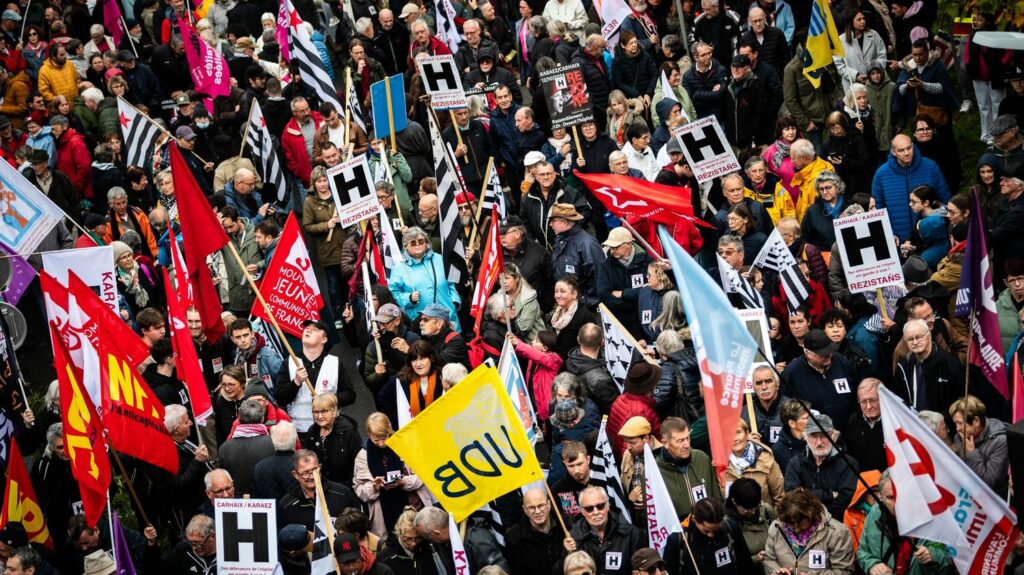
(308, 473)
(384, 197)
(726, 253)
(868, 401)
(915, 338)
(416, 242)
(222, 491)
(321, 411)
(597, 507)
(1015, 281)
(536, 508)
(199, 544)
(657, 567)
(922, 130)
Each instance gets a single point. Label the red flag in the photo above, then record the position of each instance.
(203, 234)
(1018, 390)
(112, 326)
(20, 502)
(83, 436)
(186, 362)
(376, 262)
(181, 278)
(289, 285)
(631, 198)
(132, 414)
(491, 265)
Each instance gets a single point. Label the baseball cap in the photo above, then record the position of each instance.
(346, 548)
(636, 426)
(644, 559)
(740, 60)
(819, 343)
(617, 237)
(319, 325)
(182, 100)
(387, 312)
(510, 222)
(435, 311)
(532, 158)
(11, 15)
(185, 133)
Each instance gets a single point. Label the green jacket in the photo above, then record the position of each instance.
(401, 175)
(874, 544)
(683, 487)
(240, 295)
(89, 121)
(880, 98)
(805, 102)
(1008, 321)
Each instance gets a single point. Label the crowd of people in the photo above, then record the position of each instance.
(806, 485)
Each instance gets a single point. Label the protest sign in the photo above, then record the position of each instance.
(567, 96)
(95, 266)
(707, 151)
(353, 190)
(289, 285)
(246, 536)
(442, 81)
(868, 251)
(26, 214)
(388, 106)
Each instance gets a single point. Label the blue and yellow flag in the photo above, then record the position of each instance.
(469, 446)
(822, 42)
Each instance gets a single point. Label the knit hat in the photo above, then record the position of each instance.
(565, 414)
(255, 387)
(120, 248)
(13, 535)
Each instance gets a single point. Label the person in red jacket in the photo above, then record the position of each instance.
(73, 157)
(637, 399)
(421, 38)
(10, 140)
(297, 139)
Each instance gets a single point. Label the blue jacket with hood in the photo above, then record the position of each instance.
(892, 185)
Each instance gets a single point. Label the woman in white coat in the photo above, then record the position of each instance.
(569, 12)
(864, 50)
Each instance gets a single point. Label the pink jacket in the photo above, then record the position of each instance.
(541, 371)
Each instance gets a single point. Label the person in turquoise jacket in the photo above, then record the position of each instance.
(421, 279)
(880, 542)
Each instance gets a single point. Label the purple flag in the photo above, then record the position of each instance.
(209, 69)
(122, 553)
(975, 298)
(22, 274)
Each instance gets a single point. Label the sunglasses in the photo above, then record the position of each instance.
(598, 507)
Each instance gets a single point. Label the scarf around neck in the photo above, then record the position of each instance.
(781, 153)
(561, 318)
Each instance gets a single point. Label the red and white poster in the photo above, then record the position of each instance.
(289, 284)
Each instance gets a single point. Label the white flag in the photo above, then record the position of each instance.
(604, 472)
(322, 562)
(733, 282)
(939, 498)
(612, 13)
(458, 549)
(618, 347)
(390, 253)
(515, 384)
(402, 401)
(662, 520)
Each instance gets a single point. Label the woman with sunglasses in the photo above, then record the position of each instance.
(421, 279)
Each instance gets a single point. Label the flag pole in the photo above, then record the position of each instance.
(113, 536)
(391, 114)
(245, 132)
(391, 180)
(967, 379)
(558, 512)
(128, 483)
(650, 249)
(882, 307)
(576, 140)
(130, 39)
(458, 134)
(750, 412)
(162, 129)
(689, 551)
(368, 229)
(347, 106)
(270, 313)
(322, 502)
(480, 203)
(625, 332)
(24, 21)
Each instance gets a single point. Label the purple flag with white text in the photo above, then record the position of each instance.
(976, 296)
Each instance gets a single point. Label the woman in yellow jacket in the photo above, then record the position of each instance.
(752, 459)
(766, 188)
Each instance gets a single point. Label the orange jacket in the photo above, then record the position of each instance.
(117, 227)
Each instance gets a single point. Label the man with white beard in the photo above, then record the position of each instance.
(466, 202)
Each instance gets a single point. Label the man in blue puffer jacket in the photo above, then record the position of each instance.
(905, 170)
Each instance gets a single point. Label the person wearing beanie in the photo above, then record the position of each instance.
(139, 286)
(637, 399)
(744, 506)
(96, 228)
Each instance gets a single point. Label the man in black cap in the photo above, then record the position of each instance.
(823, 377)
(56, 185)
(256, 78)
(1006, 155)
(533, 261)
(821, 469)
(350, 559)
(143, 83)
(746, 102)
(12, 536)
(96, 227)
(1013, 102)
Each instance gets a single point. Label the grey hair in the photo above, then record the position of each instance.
(52, 399)
(802, 148)
(208, 478)
(672, 316)
(752, 161)
(283, 435)
(853, 210)
(386, 186)
(731, 239)
(363, 23)
(850, 98)
(567, 382)
(669, 342)
(593, 489)
(297, 100)
(413, 233)
(96, 29)
(133, 239)
(615, 156)
(495, 306)
(914, 323)
(251, 411)
(830, 176)
(453, 373)
(173, 414)
(556, 28)
(29, 558)
(267, 17)
(491, 570)
(53, 433)
(116, 193)
(699, 45)
(419, 22)
(59, 119)
(706, 3)
(932, 419)
(538, 25)
(430, 518)
(163, 175)
(201, 525)
(92, 95)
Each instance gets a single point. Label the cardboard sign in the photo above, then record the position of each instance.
(707, 151)
(870, 260)
(567, 96)
(353, 191)
(246, 536)
(442, 81)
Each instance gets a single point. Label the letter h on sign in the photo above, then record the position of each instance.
(440, 76)
(708, 139)
(234, 536)
(353, 184)
(856, 244)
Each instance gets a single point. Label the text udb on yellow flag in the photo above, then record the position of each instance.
(469, 446)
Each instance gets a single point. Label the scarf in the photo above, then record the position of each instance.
(170, 203)
(250, 430)
(416, 398)
(798, 541)
(781, 153)
(834, 211)
(133, 223)
(130, 281)
(562, 316)
(746, 459)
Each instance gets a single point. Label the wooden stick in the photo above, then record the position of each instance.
(24, 21)
(128, 482)
(967, 378)
(391, 114)
(129, 36)
(558, 510)
(458, 134)
(367, 229)
(882, 309)
(576, 139)
(161, 128)
(245, 132)
(689, 551)
(480, 203)
(270, 314)
(625, 333)
(391, 180)
(750, 412)
(322, 501)
(650, 249)
(330, 232)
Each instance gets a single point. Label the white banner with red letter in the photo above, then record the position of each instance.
(939, 498)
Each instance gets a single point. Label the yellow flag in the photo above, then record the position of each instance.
(822, 42)
(203, 8)
(469, 446)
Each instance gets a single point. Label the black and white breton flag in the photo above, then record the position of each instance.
(390, 253)
(454, 251)
(604, 472)
(447, 31)
(775, 255)
(263, 152)
(356, 108)
(494, 196)
(618, 347)
(733, 282)
(138, 131)
(304, 53)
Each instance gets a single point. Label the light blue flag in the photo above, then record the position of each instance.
(379, 101)
(725, 349)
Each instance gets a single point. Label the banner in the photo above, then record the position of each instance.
(635, 199)
(725, 350)
(707, 151)
(619, 346)
(459, 557)
(21, 503)
(443, 81)
(491, 266)
(186, 360)
(112, 21)
(26, 214)
(355, 196)
(95, 266)
(208, 68)
(870, 260)
(939, 498)
(605, 473)
(567, 96)
(122, 552)
(515, 384)
(822, 42)
(22, 274)
(469, 446)
(662, 520)
(289, 285)
(246, 536)
(612, 13)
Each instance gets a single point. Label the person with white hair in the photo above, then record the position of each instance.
(817, 226)
(806, 165)
(919, 373)
(719, 27)
(99, 41)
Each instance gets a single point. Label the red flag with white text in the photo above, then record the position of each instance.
(939, 498)
(289, 284)
(186, 361)
(491, 264)
(21, 503)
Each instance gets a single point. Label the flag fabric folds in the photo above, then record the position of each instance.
(619, 346)
(112, 21)
(6, 437)
(605, 473)
(975, 300)
(661, 514)
(734, 282)
(939, 498)
(1018, 391)
(447, 31)
(186, 360)
(491, 265)
(389, 250)
(454, 252)
(822, 42)
(139, 133)
(775, 255)
(303, 52)
(208, 67)
(469, 446)
(21, 503)
(355, 107)
(633, 198)
(84, 442)
(26, 214)
(122, 551)
(289, 285)
(725, 349)
(515, 384)
(257, 137)
(494, 196)
(202, 234)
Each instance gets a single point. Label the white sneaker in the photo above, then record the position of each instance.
(966, 106)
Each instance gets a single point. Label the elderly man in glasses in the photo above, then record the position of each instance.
(928, 376)
(297, 505)
(604, 534)
(535, 543)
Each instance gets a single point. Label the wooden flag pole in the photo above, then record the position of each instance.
(245, 132)
(750, 412)
(367, 229)
(480, 203)
(458, 134)
(882, 308)
(625, 333)
(123, 23)
(162, 129)
(391, 180)
(24, 21)
(558, 512)
(322, 502)
(391, 114)
(650, 249)
(576, 139)
(128, 483)
(270, 314)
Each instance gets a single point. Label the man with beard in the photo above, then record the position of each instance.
(427, 219)
(641, 24)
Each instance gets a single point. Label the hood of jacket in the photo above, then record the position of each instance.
(579, 364)
(664, 108)
(871, 479)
